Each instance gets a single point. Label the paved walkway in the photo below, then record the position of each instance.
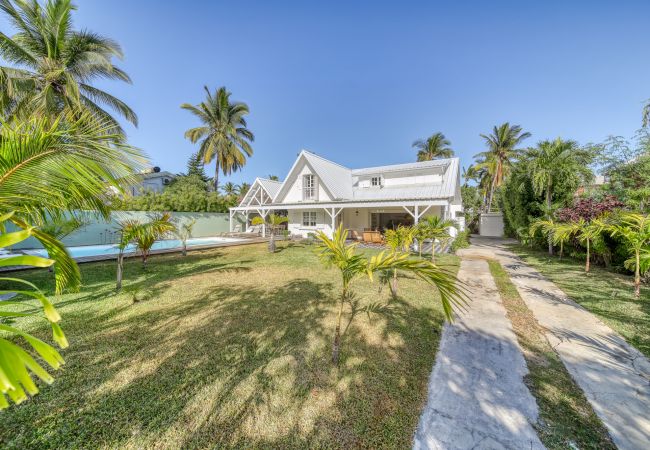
(477, 397)
(614, 376)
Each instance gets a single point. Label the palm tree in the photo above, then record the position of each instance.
(398, 240)
(556, 161)
(585, 232)
(434, 228)
(274, 178)
(435, 146)
(52, 169)
(334, 252)
(54, 65)
(229, 188)
(145, 234)
(16, 363)
(273, 222)
(184, 232)
(49, 170)
(634, 230)
(502, 151)
(224, 135)
(242, 190)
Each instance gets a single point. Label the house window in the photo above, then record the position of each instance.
(375, 181)
(309, 187)
(309, 218)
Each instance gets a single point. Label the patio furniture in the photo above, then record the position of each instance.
(372, 236)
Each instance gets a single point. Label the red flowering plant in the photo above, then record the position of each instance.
(588, 209)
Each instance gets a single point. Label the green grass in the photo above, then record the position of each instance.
(230, 348)
(565, 415)
(608, 295)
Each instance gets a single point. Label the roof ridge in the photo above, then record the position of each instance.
(325, 159)
(268, 179)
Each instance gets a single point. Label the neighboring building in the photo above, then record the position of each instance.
(319, 194)
(154, 180)
(596, 184)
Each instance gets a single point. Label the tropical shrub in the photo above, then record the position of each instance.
(399, 240)
(588, 209)
(460, 241)
(335, 252)
(436, 228)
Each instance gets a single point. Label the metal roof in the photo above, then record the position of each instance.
(270, 186)
(337, 180)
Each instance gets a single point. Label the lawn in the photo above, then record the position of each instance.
(608, 295)
(230, 348)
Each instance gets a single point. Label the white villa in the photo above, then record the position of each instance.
(319, 194)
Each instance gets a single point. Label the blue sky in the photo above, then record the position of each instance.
(357, 82)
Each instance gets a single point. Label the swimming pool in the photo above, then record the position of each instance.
(111, 249)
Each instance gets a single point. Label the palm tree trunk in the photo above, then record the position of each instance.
(420, 247)
(587, 263)
(144, 259)
(433, 250)
(548, 208)
(637, 276)
(120, 262)
(272, 242)
(184, 248)
(561, 249)
(336, 346)
(492, 187)
(216, 176)
(393, 284)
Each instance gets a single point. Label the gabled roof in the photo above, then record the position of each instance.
(336, 179)
(271, 188)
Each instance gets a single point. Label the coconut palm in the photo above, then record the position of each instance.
(502, 151)
(229, 188)
(224, 135)
(242, 190)
(436, 228)
(274, 178)
(273, 222)
(15, 362)
(557, 161)
(634, 230)
(433, 147)
(54, 65)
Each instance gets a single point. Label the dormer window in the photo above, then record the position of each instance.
(375, 182)
(309, 187)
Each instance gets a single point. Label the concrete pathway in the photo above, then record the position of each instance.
(614, 376)
(477, 397)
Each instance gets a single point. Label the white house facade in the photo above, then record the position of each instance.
(319, 194)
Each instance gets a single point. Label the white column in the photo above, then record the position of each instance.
(230, 222)
(416, 218)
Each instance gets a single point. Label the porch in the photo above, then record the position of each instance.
(305, 219)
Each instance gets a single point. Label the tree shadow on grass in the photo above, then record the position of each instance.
(234, 366)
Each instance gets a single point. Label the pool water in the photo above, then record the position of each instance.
(111, 249)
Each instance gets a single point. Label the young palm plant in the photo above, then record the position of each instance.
(273, 223)
(436, 228)
(15, 362)
(184, 232)
(586, 233)
(224, 135)
(334, 252)
(398, 240)
(634, 230)
(142, 235)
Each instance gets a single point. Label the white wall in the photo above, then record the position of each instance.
(323, 222)
(294, 194)
(491, 224)
(398, 179)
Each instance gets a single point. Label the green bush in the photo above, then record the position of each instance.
(461, 241)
